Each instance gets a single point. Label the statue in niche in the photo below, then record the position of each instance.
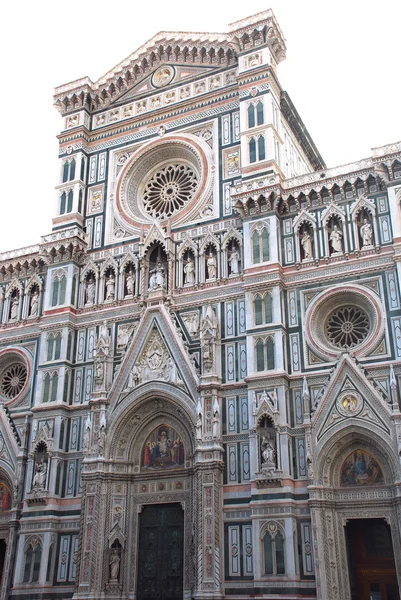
(39, 479)
(233, 261)
(209, 323)
(366, 233)
(34, 308)
(189, 271)
(90, 291)
(306, 243)
(14, 308)
(110, 286)
(211, 265)
(114, 565)
(216, 420)
(336, 239)
(157, 277)
(101, 440)
(130, 284)
(199, 421)
(103, 341)
(268, 452)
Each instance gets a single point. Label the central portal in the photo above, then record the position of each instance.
(160, 553)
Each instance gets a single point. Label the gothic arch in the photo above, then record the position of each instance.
(341, 444)
(139, 413)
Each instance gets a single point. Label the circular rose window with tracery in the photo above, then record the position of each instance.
(343, 318)
(168, 178)
(169, 189)
(347, 327)
(13, 380)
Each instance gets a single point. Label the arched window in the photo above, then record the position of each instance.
(69, 346)
(58, 291)
(66, 386)
(252, 150)
(265, 245)
(259, 113)
(80, 201)
(260, 355)
(251, 115)
(72, 169)
(261, 148)
(66, 168)
(50, 384)
(69, 201)
(263, 307)
(54, 385)
(82, 176)
(57, 347)
(273, 546)
(63, 200)
(33, 556)
(268, 309)
(50, 347)
(255, 247)
(260, 245)
(258, 310)
(270, 354)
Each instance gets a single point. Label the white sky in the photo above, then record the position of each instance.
(342, 72)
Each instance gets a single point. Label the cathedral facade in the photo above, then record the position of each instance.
(200, 364)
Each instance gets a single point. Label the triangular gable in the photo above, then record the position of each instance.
(350, 397)
(156, 354)
(182, 74)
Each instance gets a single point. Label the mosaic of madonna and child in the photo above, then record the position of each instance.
(163, 449)
(360, 468)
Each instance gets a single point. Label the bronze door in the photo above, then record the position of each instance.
(371, 560)
(160, 552)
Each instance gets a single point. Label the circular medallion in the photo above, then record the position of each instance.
(349, 403)
(163, 76)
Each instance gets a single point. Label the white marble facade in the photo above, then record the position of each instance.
(206, 331)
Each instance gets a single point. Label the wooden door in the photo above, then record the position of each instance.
(371, 560)
(160, 552)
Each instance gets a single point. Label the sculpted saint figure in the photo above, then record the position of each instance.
(366, 233)
(234, 262)
(306, 244)
(336, 237)
(34, 304)
(189, 271)
(211, 264)
(110, 287)
(114, 566)
(14, 308)
(267, 452)
(39, 479)
(157, 276)
(90, 291)
(130, 282)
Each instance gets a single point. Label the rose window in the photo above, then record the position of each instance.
(169, 189)
(347, 327)
(13, 380)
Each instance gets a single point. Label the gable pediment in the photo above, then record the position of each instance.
(176, 74)
(350, 397)
(156, 354)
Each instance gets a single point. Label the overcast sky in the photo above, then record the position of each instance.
(342, 72)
